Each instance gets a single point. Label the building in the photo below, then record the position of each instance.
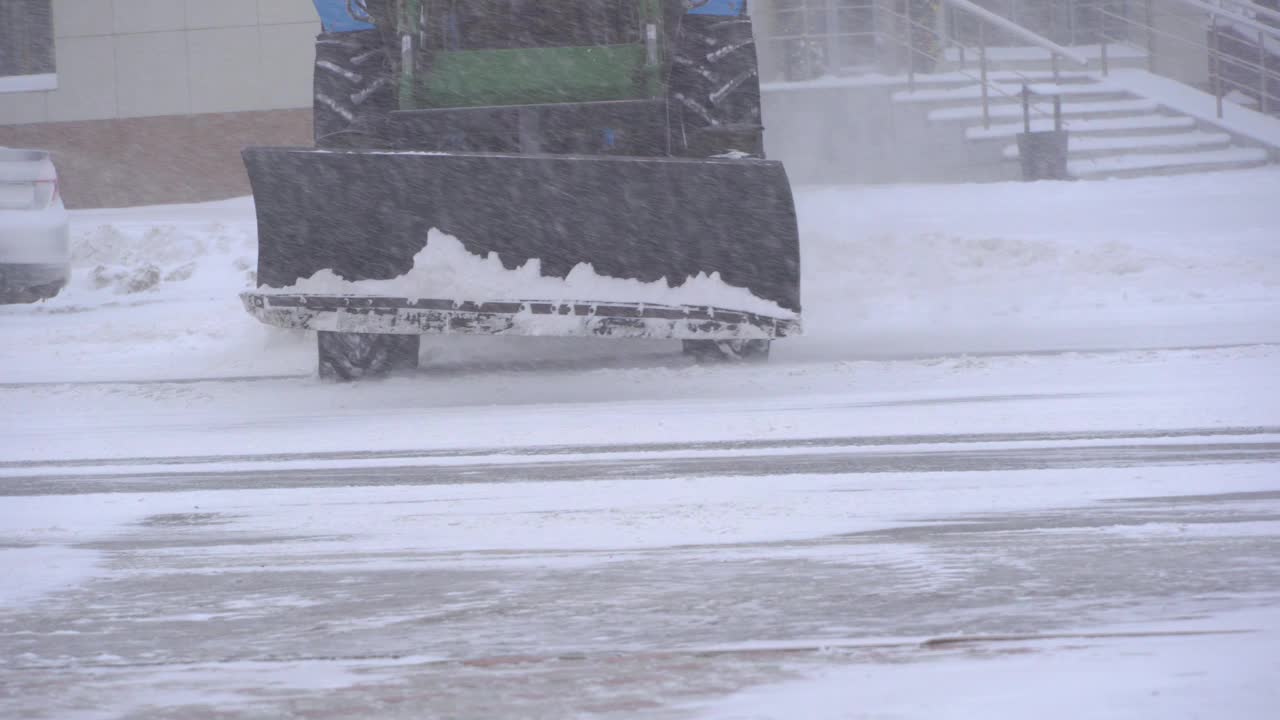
(151, 101)
(154, 98)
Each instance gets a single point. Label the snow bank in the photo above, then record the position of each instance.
(444, 268)
(153, 294)
(1152, 262)
(887, 272)
(149, 250)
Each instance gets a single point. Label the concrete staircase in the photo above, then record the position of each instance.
(1113, 133)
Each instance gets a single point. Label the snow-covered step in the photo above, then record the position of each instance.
(1108, 108)
(1028, 59)
(922, 81)
(1115, 51)
(1012, 77)
(1002, 92)
(1121, 126)
(1134, 165)
(1087, 146)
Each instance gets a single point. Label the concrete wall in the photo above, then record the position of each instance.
(144, 58)
(829, 134)
(1181, 42)
(1180, 38)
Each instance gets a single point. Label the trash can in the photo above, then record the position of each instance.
(1043, 152)
(1044, 155)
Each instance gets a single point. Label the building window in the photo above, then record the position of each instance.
(818, 37)
(26, 46)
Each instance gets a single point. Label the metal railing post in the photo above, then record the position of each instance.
(1151, 38)
(986, 91)
(1026, 108)
(944, 21)
(1215, 62)
(1072, 9)
(835, 60)
(1263, 85)
(911, 49)
(1103, 38)
(960, 43)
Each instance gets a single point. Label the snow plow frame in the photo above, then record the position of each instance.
(628, 142)
(428, 316)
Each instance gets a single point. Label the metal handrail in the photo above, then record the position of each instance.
(1220, 84)
(1232, 15)
(983, 79)
(1019, 31)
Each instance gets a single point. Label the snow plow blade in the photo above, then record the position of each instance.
(364, 214)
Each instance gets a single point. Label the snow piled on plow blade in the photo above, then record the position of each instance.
(444, 268)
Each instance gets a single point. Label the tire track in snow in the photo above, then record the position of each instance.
(854, 462)
(853, 441)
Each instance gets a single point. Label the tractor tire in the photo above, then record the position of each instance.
(353, 356)
(354, 93)
(712, 352)
(715, 87)
(34, 294)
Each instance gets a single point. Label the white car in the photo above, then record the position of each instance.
(35, 234)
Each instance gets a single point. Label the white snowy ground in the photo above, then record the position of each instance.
(888, 271)
(965, 314)
(1228, 675)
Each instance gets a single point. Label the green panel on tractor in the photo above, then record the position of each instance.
(527, 76)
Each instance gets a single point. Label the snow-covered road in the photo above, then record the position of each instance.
(644, 593)
(1017, 467)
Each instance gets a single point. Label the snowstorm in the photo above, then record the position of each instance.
(656, 359)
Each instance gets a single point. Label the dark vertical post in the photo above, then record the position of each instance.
(1026, 108)
(986, 91)
(1151, 38)
(911, 49)
(1262, 72)
(1215, 62)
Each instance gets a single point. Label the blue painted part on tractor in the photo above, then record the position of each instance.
(337, 19)
(728, 8)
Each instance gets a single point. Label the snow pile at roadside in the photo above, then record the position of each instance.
(887, 271)
(132, 260)
(1149, 262)
(151, 250)
(153, 295)
(445, 269)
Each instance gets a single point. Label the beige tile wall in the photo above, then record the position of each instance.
(86, 79)
(221, 14)
(77, 18)
(144, 58)
(151, 75)
(223, 81)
